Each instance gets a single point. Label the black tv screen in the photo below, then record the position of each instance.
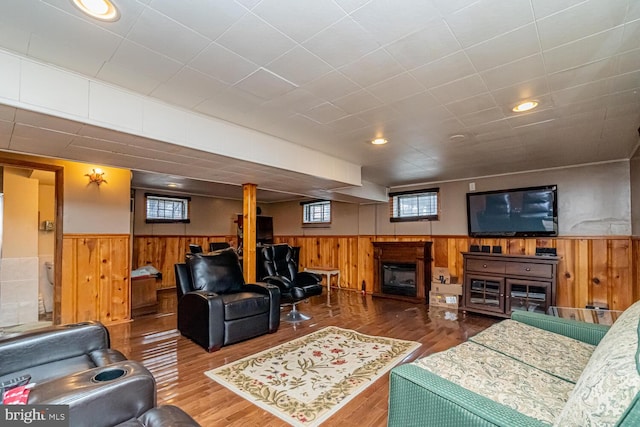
(519, 212)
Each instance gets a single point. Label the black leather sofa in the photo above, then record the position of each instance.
(216, 307)
(73, 365)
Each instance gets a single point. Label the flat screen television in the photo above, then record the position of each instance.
(518, 212)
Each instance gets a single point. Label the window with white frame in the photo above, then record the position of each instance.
(318, 212)
(414, 205)
(165, 209)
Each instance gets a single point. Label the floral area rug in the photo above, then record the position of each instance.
(307, 380)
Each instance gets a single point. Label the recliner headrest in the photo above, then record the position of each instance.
(219, 272)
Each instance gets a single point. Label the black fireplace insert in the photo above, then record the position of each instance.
(399, 279)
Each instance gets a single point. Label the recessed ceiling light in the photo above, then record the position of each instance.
(172, 184)
(379, 141)
(457, 137)
(525, 106)
(103, 10)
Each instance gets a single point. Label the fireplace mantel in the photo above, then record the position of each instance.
(403, 252)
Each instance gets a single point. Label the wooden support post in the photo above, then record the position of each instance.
(249, 208)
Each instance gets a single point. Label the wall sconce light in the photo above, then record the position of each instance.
(96, 176)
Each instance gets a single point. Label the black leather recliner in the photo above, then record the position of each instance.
(295, 286)
(216, 246)
(216, 307)
(73, 365)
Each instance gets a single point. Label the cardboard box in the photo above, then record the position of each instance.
(443, 300)
(436, 272)
(450, 289)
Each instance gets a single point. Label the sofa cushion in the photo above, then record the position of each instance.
(610, 382)
(553, 353)
(244, 304)
(502, 379)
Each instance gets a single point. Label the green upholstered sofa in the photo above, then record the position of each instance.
(530, 370)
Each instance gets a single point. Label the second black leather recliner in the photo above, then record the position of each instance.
(216, 307)
(295, 286)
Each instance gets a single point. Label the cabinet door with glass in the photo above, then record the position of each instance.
(484, 293)
(528, 295)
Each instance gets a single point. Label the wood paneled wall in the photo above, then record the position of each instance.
(95, 281)
(603, 270)
(163, 252)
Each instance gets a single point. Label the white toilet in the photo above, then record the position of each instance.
(49, 267)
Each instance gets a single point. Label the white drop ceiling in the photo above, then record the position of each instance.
(331, 75)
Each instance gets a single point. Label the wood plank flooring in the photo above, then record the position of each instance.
(179, 365)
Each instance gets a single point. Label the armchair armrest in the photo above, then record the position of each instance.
(306, 278)
(282, 282)
(46, 345)
(418, 397)
(274, 301)
(590, 333)
(100, 403)
(197, 312)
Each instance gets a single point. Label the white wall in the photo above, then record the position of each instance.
(593, 200)
(209, 216)
(93, 209)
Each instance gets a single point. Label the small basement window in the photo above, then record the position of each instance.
(418, 205)
(316, 213)
(166, 209)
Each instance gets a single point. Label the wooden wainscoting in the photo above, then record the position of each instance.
(163, 252)
(591, 270)
(95, 278)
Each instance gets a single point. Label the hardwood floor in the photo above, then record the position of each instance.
(179, 365)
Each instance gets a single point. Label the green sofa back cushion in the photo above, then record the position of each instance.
(610, 382)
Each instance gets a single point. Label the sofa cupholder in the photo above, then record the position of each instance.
(108, 375)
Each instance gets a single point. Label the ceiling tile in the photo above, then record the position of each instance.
(387, 20)
(631, 36)
(447, 7)
(265, 84)
(297, 100)
(542, 8)
(331, 86)
(299, 66)
(138, 68)
(445, 70)
(580, 93)
(175, 40)
(348, 124)
(481, 117)
(223, 64)
(506, 48)
(476, 103)
(350, 5)
(629, 61)
(426, 45)
(357, 102)
(515, 72)
(372, 68)
(341, 43)
(583, 74)
(416, 104)
(398, 87)
(582, 20)
(300, 20)
(241, 39)
(583, 51)
(459, 89)
(522, 91)
(486, 19)
(188, 88)
(624, 82)
(325, 113)
(88, 56)
(209, 18)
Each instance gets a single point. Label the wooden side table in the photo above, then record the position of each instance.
(328, 272)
